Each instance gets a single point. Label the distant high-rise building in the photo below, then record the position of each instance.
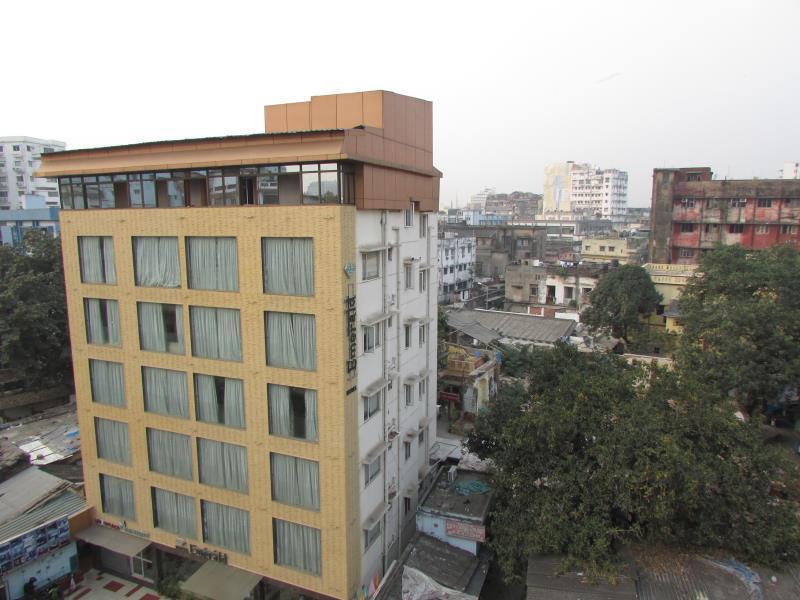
(19, 157)
(790, 171)
(583, 190)
(478, 201)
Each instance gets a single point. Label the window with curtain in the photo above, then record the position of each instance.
(161, 327)
(370, 265)
(116, 496)
(156, 262)
(222, 465)
(292, 412)
(294, 480)
(97, 259)
(112, 440)
(173, 512)
(372, 470)
(102, 321)
(219, 400)
(371, 336)
(165, 392)
(226, 526)
(297, 546)
(108, 383)
(216, 333)
(288, 266)
(291, 340)
(372, 405)
(212, 263)
(169, 453)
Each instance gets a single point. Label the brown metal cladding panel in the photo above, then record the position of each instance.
(275, 119)
(373, 108)
(298, 116)
(378, 183)
(419, 124)
(419, 158)
(349, 110)
(323, 112)
(428, 144)
(391, 121)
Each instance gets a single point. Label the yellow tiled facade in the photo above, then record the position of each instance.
(332, 230)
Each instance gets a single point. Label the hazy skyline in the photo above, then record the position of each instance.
(514, 86)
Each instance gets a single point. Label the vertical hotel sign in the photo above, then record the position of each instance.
(350, 322)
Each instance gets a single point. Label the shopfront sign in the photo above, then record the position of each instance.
(200, 552)
(468, 531)
(123, 526)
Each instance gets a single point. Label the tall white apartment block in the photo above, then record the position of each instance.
(19, 158)
(791, 170)
(456, 265)
(598, 192)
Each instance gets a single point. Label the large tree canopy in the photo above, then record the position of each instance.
(596, 453)
(741, 319)
(621, 298)
(33, 313)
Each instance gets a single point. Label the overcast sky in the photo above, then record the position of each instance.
(514, 86)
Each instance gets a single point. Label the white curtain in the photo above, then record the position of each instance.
(108, 384)
(228, 410)
(291, 340)
(117, 496)
(216, 333)
(100, 330)
(297, 546)
(288, 265)
(165, 392)
(213, 263)
(282, 419)
(153, 331)
(112, 440)
(226, 526)
(169, 453)
(157, 263)
(97, 259)
(222, 465)
(295, 480)
(174, 512)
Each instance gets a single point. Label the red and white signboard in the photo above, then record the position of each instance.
(467, 531)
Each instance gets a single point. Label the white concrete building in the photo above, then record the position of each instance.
(478, 201)
(19, 158)
(396, 312)
(581, 189)
(791, 170)
(456, 266)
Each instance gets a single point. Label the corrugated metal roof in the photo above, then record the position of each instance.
(25, 490)
(514, 325)
(65, 504)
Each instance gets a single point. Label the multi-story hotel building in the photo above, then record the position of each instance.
(691, 213)
(253, 328)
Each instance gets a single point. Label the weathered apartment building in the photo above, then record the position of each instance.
(456, 263)
(253, 328)
(691, 213)
(498, 246)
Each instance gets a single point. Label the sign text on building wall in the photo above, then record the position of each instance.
(352, 332)
(468, 531)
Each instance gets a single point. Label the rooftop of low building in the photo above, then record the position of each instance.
(467, 496)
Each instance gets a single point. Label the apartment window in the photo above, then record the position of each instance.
(711, 227)
(423, 279)
(389, 254)
(686, 228)
(292, 412)
(586, 248)
(687, 202)
(765, 203)
(222, 465)
(291, 340)
(165, 392)
(212, 263)
(370, 265)
(116, 497)
(97, 259)
(294, 480)
(288, 266)
(372, 534)
(29, 148)
(372, 405)
(112, 441)
(685, 252)
(423, 388)
(173, 512)
(406, 506)
(407, 450)
(407, 335)
(789, 229)
(169, 453)
(408, 216)
(736, 228)
(156, 262)
(297, 546)
(107, 382)
(738, 202)
(423, 332)
(216, 333)
(421, 437)
(408, 271)
(612, 248)
(423, 226)
(161, 327)
(762, 229)
(15, 148)
(102, 321)
(226, 526)
(408, 394)
(372, 470)
(219, 400)
(371, 337)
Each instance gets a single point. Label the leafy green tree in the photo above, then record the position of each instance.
(621, 298)
(741, 322)
(33, 314)
(596, 454)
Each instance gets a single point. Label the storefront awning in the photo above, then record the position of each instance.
(111, 539)
(215, 581)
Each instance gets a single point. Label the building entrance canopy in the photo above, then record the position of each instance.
(215, 581)
(111, 539)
